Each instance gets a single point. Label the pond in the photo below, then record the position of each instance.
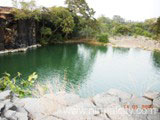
(88, 69)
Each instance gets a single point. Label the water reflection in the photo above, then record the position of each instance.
(88, 69)
(156, 59)
(119, 50)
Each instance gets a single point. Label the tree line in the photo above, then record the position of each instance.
(76, 21)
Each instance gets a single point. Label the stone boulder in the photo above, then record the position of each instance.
(156, 102)
(9, 110)
(48, 104)
(151, 95)
(119, 93)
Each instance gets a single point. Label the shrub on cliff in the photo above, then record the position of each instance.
(103, 37)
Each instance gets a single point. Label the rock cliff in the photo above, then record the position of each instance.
(15, 33)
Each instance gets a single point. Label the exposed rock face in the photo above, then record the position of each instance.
(16, 34)
(26, 35)
(1, 34)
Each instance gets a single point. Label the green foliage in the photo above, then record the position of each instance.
(103, 38)
(119, 26)
(87, 32)
(157, 26)
(77, 21)
(62, 19)
(156, 58)
(118, 19)
(44, 41)
(46, 31)
(138, 31)
(23, 88)
(56, 38)
(122, 29)
(147, 34)
(80, 7)
(26, 10)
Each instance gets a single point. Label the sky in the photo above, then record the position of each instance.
(137, 10)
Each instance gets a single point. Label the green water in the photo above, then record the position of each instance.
(88, 69)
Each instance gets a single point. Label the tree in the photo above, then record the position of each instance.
(61, 19)
(122, 29)
(157, 26)
(105, 24)
(118, 19)
(26, 10)
(80, 7)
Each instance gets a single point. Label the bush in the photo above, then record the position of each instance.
(46, 31)
(121, 29)
(147, 34)
(21, 88)
(103, 38)
(44, 41)
(56, 38)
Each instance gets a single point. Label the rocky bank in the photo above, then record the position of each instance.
(111, 105)
(135, 42)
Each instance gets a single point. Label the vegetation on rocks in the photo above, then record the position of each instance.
(119, 26)
(57, 24)
(18, 85)
(103, 38)
(76, 21)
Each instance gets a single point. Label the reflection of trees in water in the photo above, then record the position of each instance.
(120, 50)
(72, 62)
(80, 62)
(156, 59)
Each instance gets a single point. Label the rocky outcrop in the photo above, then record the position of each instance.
(16, 33)
(111, 105)
(26, 34)
(19, 49)
(1, 34)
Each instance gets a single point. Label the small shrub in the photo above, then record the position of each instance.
(44, 41)
(46, 31)
(103, 38)
(22, 89)
(56, 38)
(147, 34)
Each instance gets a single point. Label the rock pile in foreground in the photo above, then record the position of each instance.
(9, 110)
(111, 105)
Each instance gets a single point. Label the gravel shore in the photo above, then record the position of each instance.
(135, 42)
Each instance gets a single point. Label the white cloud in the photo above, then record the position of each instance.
(129, 9)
